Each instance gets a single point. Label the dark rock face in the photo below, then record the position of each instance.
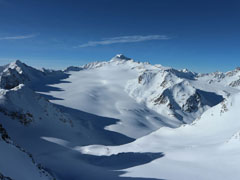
(73, 68)
(224, 107)
(4, 135)
(24, 118)
(140, 79)
(161, 100)
(2, 177)
(235, 83)
(163, 84)
(10, 78)
(192, 104)
(121, 56)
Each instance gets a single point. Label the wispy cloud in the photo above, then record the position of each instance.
(123, 39)
(18, 37)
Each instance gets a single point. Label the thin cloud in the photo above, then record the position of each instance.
(18, 37)
(123, 39)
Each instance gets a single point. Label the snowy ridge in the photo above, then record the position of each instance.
(126, 74)
(158, 86)
(24, 104)
(17, 73)
(16, 163)
(171, 93)
(201, 143)
(230, 78)
(149, 120)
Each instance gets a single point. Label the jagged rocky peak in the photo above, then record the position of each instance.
(120, 57)
(18, 62)
(166, 75)
(170, 90)
(18, 72)
(180, 96)
(13, 75)
(18, 65)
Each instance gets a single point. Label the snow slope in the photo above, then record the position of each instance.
(49, 131)
(120, 119)
(192, 151)
(230, 78)
(102, 84)
(16, 163)
(160, 96)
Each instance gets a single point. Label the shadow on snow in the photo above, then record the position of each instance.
(67, 164)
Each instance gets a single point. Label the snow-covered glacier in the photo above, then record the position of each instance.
(118, 119)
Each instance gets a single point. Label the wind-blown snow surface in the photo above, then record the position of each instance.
(120, 119)
(103, 85)
(160, 96)
(16, 163)
(206, 149)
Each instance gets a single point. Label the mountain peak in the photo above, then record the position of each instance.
(120, 57)
(17, 62)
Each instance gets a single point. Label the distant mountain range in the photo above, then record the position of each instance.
(118, 120)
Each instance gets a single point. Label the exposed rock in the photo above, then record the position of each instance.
(24, 118)
(235, 83)
(4, 134)
(11, 78)
(161, 100)
(2, 177)
(224, 107)
(193, 103)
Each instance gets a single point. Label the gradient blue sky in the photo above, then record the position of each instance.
(201, 35)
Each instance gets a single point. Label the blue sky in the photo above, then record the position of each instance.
(201, 35)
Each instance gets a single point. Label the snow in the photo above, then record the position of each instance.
(104, 86)
(56, 141)
(16, 162)
(193, 150)
(17, 165)
(119, 119)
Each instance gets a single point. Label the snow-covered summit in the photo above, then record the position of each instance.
(171, 92)
(230, 78)
(119, 57)
(174, 94)
(17, 73)
(188, 117)
(177, 96)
